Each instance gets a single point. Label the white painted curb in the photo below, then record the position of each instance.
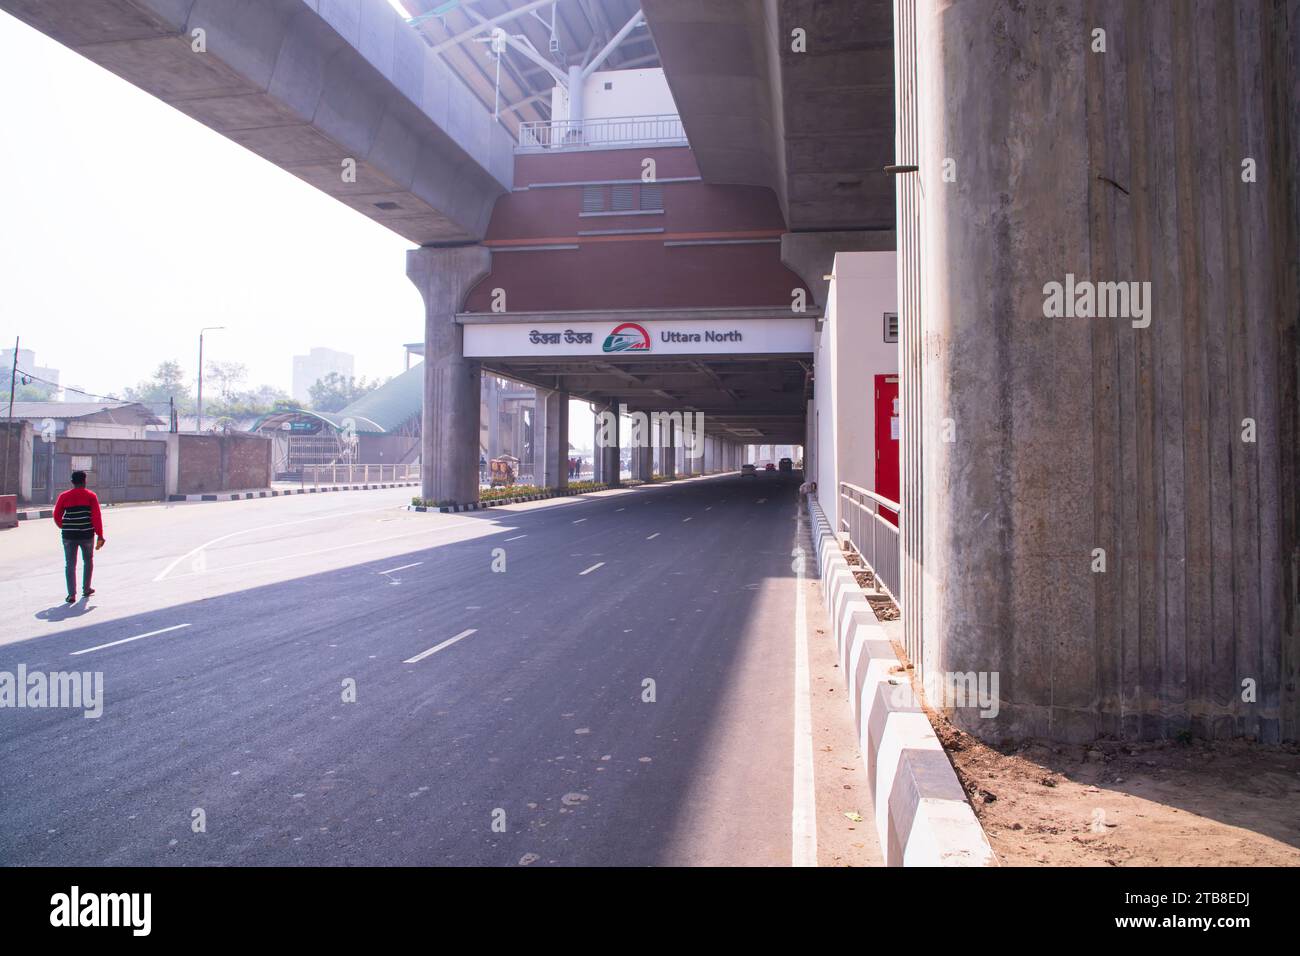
(922, 815)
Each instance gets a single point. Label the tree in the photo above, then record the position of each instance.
(335, 392)
(250, 403)
(32, 391)
(227, 377)
(168, 382)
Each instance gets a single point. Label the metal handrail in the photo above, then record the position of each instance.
(350, 473)
(872, 536)
(607, 131)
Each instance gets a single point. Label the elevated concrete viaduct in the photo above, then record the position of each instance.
(340, 93)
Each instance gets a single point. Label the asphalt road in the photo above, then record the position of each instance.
(619, 690)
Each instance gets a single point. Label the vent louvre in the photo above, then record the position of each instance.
(891, 326)
(652, 197)
(593, 198)
(622, 199)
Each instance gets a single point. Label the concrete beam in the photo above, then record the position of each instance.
(321, 88)
(811, 255)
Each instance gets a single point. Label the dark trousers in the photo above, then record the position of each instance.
(70, 548)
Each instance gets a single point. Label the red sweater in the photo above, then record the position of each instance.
(77, 513)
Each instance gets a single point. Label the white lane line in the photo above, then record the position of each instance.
(127, 640)
(579, 520)
(653, 536)
(266, 527)
(598, 564)
(684, 520)
(517, 537)
(707, 507)
(437, 647)
(402, 568)
(803, 803)
(620, 509)
(760, 501)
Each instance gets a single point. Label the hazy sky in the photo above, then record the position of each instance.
(125, 226)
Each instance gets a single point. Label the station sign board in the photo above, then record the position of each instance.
(792, 336)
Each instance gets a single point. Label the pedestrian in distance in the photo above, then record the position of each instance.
(76, 515)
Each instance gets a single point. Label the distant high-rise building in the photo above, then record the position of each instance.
(315, 365)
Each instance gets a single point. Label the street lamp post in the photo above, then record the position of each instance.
(206, 328)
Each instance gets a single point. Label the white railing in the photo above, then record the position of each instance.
(872, 535)
(609, 132)
(317, 475)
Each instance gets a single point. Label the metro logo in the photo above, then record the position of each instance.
(628, 337)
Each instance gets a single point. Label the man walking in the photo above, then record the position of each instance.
(76, 513)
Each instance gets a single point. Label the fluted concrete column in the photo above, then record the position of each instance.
(555, 440)
(450, 432)
(1098, 534)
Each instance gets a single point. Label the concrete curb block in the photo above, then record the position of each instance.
(631, 483)
(922, 815)
(278, 492)
(481, 505)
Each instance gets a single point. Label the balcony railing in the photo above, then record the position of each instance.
(614, 132)
(873, 535)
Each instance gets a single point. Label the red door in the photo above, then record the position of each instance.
(887, 435)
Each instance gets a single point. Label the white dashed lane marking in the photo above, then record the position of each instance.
(437, 647)
(128, 640)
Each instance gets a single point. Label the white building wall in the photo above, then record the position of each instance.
(108, 430)
(631, 93)
(851, 350)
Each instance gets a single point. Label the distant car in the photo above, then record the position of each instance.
(787, 464)
(748, 470)
(769, 467)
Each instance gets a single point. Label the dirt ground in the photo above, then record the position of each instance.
(1123, 803)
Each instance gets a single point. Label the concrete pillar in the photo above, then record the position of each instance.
(668, 449)
(450, 432)
(610, 470)
(555, 438)
(641, 442)
(494, 417)
(597, 460)
(1052, 437)
(538, 449)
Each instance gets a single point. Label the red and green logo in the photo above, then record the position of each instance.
(628, 337)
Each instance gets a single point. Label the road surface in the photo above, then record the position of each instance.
(612, 679)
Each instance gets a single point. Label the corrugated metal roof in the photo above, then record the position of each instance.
(132, 413)
(392, 405)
